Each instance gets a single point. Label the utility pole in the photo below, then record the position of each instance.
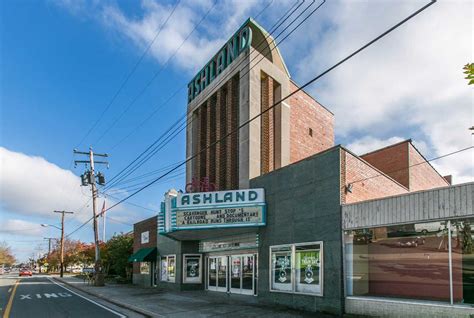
(49, 244)
(62, 240)
(88, 178)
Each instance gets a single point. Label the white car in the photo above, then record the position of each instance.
(430, 227)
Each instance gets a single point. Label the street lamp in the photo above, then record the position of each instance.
(62, 238)
(46, 225)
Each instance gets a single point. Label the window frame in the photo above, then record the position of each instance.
(167, 280)
(293, 268)
(185, 268)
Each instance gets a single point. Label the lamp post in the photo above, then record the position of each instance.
(61, 272)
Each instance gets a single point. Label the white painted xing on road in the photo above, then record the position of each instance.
(46, 295)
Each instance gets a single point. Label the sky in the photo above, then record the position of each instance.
(63, 61)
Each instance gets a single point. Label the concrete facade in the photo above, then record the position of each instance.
(304, 206)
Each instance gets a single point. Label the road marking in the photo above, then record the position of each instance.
(10, 290)
(89, 300)
(6, 314)
(25, 297)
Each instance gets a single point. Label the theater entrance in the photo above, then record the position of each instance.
(234, 274)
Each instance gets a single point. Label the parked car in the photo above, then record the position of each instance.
(25, 272)
(411, 241)
(430, 227)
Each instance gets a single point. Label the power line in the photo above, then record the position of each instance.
(154, 76)
(157, 108)
(416, 164)
(280, 21)
(277, 103)
(132, 71)
(281, 100)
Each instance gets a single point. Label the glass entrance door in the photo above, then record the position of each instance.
(217, 273)
(242, 274)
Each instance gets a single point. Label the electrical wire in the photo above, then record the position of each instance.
(277, 103)
(163, 66)
(158, 107)
(279, 22)
(127, 78)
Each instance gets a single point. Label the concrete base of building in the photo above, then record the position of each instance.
(143, 280)
(407, 309)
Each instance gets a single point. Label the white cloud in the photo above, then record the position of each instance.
(224, 19)
(368, 143)
(20, 227)
(30, 185)
(410, 82)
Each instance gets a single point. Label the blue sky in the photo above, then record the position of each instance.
(62, 61)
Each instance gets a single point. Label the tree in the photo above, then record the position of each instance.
(116, 253)
(469, 71)
(6, 256)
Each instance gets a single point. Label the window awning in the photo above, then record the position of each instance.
(144, 255)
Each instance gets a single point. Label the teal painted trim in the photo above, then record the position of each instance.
(207, 227)
(221, 206)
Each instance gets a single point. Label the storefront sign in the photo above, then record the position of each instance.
(216, 217)
(220, 198)
(145, 237)
(218, 209)
(239, 42)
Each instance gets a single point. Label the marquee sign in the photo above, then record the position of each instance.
(239, 42)
(219, 209)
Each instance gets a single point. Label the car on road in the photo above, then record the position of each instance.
(25, 272)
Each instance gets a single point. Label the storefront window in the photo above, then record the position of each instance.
(404, 261)
(462, 244)
(168, 268)
(144, 268)
(192, 269)
(307, 261)
(297, 268)
(281, 269)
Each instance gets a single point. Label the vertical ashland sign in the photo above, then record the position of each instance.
(239, 42)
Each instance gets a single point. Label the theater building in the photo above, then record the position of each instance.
(281, 215)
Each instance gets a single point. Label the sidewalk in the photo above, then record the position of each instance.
(153, 302)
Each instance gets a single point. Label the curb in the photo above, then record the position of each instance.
(138, 310)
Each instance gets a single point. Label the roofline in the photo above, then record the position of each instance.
(310, 96)
(386, 147)
(409, 193)
(427, 161)
(381, 173)
(251, 20)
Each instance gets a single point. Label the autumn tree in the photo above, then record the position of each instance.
(6, 255)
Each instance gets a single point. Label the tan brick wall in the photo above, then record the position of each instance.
(422, 175)
(367, 182)
(306, 113)
(392, 160)
(150, 225)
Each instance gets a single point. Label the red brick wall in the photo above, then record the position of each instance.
(422, 175)
(392, 160)
(367, 182)
(267, 140)
(150, 225)
(306, 113)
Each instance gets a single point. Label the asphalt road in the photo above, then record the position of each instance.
(41, 296)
